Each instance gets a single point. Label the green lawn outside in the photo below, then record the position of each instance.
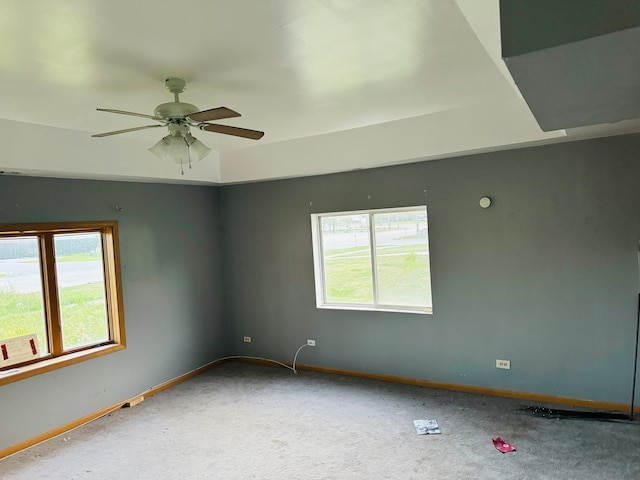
(403, 276)
(74, 257)
(349, 280)
(79, 257)
(83, 315)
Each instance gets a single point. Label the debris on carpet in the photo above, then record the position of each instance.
(558, 414)
(426, 427)
(502, 445)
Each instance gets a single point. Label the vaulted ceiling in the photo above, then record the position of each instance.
(336, 85)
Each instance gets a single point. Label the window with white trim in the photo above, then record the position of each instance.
(60, 290)
(373, 260)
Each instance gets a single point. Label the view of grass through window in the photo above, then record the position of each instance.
(21, 300)
(82, 296)
(81, 290)
(386, 266)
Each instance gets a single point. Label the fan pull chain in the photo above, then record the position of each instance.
(186, 142)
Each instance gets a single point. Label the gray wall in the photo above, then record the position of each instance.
(171, 275)
(527, 26)
(547, 277)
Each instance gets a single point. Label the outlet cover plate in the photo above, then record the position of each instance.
(311, 343)
(247, 339)
(505, 364)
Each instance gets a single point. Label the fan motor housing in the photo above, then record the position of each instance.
(175, 110)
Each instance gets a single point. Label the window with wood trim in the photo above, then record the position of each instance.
(60, 296)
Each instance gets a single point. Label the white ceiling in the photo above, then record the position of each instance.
(336, 85)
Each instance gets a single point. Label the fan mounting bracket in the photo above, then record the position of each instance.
(175, 85)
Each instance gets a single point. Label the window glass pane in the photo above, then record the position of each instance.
(80, 272)
(346, 253)
(21, 299)
(402, 258)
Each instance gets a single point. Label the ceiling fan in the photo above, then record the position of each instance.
(180, 146)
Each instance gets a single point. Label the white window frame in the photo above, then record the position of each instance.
(319, 271)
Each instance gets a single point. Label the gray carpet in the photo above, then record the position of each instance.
(246, 421)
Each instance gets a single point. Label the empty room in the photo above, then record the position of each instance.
(319, 239)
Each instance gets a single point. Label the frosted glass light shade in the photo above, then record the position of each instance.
(198, 149)
(171, 148)
(180, 149)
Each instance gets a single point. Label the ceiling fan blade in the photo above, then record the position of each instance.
(122, 112)
(213, 114)
(116, 132)
(227, 130)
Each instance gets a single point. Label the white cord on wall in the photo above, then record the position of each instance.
(292, 367)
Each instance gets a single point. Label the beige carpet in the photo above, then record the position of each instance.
(245, 421)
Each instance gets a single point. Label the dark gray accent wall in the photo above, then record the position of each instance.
(171, 275)
(547, 277)
(527, 26)
(574, 61)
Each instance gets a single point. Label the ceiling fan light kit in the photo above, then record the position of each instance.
(172, 148)
(180, 146)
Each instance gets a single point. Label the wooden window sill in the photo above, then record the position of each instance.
(15, 374)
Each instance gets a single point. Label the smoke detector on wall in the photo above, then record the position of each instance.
(485, 202)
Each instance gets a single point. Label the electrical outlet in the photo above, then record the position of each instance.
(506, 364)
(247, 339)
(311, 343)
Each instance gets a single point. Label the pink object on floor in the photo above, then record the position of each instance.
(502, 445)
